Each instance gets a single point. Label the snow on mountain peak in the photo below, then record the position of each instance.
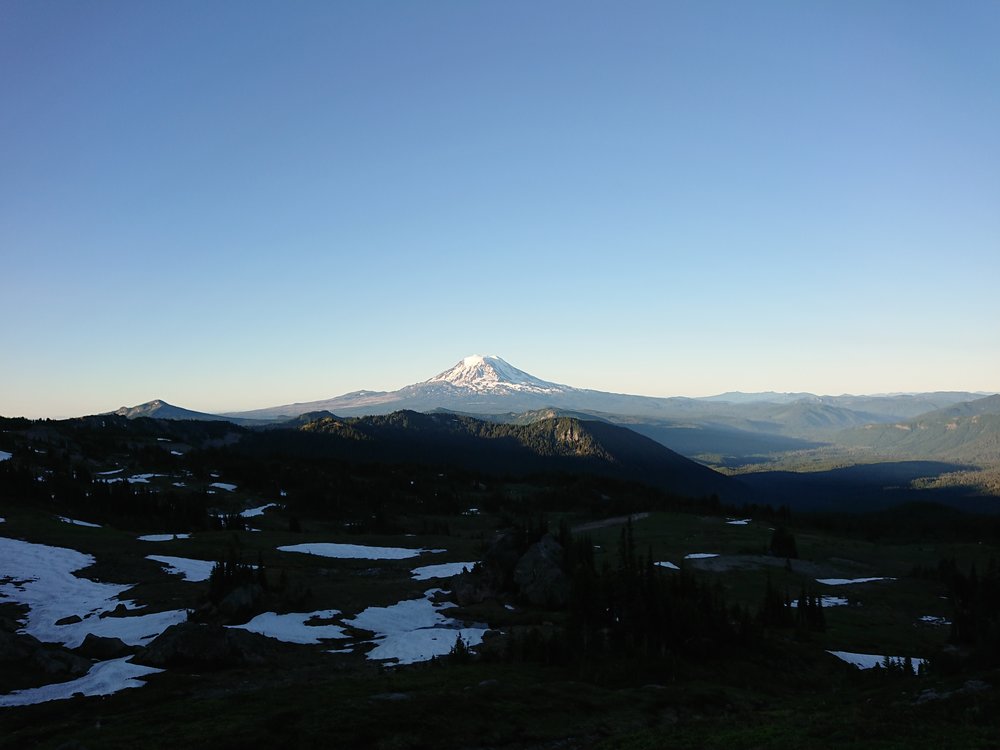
(481, 372)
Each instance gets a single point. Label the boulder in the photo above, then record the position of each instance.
(472, 587)
(101, 648)
(494, 575)
(190, 644)
(539, 575)
(17, 646)
(56, 661)
(120, 611)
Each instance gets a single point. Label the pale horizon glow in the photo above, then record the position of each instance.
(249, 204)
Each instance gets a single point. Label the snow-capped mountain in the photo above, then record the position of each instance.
(491, 373)
(478, 384)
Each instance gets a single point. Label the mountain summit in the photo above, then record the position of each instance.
(480, 372)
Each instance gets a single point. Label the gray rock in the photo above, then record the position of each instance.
(495, 574)
(16, 646)
(120, 611)
(71, 620)
(539, 575)
(101, 648)
(59, 662)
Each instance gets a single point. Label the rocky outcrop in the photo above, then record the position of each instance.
(102, 648)
(539, 575)
(57, 661)
(535, 575)
(35, 655)
(190, 644)
(494, 575)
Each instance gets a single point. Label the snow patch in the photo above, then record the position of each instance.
(223, 486)
(700, 555)
(739, 522)
(870, 661)
(192, 570)
(846, 581)
(41, 578)
(354, 551)
(667, 564)
(135, 478)
(104, 678)
(444, 570)
(935, 620)
(5, 456)
(163, 537)
(74, 522)
(143, 478)
(413, 630)
(294, 627)
(259, 511)
(828, 601)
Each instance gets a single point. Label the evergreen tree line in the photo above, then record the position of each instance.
(232, 572)
(975, 600)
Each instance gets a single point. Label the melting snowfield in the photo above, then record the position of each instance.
(104, 678)
(163, 537)
(413, 630)
(294, 627)
(191, 569)
(41, 578)
(846, 581)
(134, 479)
(444, 570)
(74, 522)
(935, 620)
(355, 551)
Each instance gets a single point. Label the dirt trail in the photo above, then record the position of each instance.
(616, 521)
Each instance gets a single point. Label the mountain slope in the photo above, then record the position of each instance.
(480, 385)
(160, 409)
(488, 385)
(969, 431)
(554, 445)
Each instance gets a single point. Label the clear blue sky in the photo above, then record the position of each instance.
(240, 204)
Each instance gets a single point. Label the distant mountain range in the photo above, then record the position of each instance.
(969, 431)
(739, 423)
(488, 385)
(160, 409)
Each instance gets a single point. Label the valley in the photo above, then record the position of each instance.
(365, 578)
